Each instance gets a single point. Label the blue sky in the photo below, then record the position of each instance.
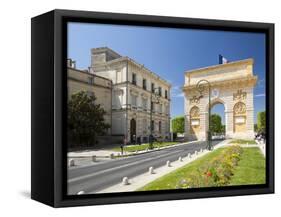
(169, 52)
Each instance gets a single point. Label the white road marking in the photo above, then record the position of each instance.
(119, 167)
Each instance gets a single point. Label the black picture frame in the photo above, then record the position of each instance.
(48, 148)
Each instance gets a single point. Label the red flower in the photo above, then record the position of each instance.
(209, 174)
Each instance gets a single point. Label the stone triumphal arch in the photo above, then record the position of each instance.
(231, 85)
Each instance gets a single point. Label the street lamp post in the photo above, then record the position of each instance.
(201, 87)
(156, 95)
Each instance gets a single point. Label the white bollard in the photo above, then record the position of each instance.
(168, 163)
(125, 181)
(196, 153)
(189, 156)
(71, 163)
(94, 158)
(80, 192)
(180, 159)
(111, 156)
(151, 170)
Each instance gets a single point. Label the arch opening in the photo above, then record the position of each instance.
(218, 120)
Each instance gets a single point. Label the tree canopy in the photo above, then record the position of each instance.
(216, 124)
(85, 119)
(178, 124)
(261, 122)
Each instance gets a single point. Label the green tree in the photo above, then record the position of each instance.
(223, 128)
(216, 125)
(85, 120)
(261, 122)
(178, 124)
(255, 127)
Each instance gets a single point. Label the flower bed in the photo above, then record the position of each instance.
(216, 172)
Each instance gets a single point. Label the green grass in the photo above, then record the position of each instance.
(133, 148)
(171, 180)
(251, 168)
(243, 141)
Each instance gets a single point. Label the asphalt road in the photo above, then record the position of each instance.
(99, 176)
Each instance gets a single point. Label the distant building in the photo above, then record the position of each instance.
(132, 85)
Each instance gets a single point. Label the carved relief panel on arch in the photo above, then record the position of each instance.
(194, 100)
(239, 95)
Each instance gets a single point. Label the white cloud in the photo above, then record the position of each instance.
(179, 95)
(177, 91)
(260, 95)
(261, 83)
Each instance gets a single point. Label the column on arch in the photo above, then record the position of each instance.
(229, 123)
(250, 113)
(187, 126)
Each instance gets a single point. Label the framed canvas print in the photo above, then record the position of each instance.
(134, 108)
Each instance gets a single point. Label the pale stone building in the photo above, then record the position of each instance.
(79, 80)
(132, 86)
(231, 85)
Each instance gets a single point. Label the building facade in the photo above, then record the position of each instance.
(101, 88)
(133, 89)
(231, 85)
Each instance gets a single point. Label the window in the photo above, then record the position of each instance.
(144, 84)
(134, 100)
(166, 94)
(144, 103)
(160, 91)
(152, 87)
(118, 77)
(134, 79)
(91, 80)
(160, 108)
(144, 122)
(160, 126)
(167, 109)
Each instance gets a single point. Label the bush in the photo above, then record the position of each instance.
(217, 172)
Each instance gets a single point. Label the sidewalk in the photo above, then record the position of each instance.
(106, 153)
(90, 153)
